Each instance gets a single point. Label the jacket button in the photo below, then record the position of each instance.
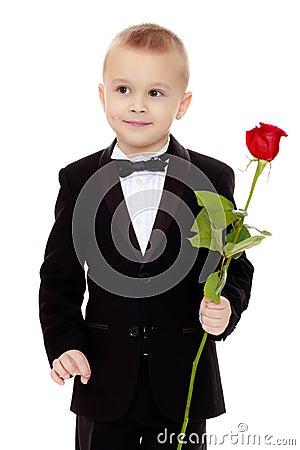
(134, 331)
(144, 277)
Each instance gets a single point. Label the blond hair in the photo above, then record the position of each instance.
(152, 38)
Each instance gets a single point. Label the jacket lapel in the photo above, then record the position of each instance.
(174, 187)
(115, 202)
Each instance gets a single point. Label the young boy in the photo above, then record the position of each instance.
(126, 213)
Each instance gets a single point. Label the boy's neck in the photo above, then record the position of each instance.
(142, 151)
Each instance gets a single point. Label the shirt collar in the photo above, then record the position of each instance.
(117, 153)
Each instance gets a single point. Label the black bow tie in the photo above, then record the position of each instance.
(127, 167)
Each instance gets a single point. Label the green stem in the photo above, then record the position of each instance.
(261, 164)
(190, 393)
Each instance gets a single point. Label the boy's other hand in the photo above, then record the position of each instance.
(215, 317)
(70, 363)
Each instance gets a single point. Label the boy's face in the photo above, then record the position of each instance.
(142, 94)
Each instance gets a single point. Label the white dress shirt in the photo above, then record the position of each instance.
(142, 193)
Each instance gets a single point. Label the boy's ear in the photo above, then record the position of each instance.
(184, 104)
(101, 95)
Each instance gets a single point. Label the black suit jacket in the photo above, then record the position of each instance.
(135, 303)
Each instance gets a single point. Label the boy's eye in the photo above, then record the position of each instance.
(155, 93)
(124, 90)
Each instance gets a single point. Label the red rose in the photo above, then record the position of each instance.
(263, 142)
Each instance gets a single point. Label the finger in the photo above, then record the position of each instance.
(214, 325)
(213, 330)
(213, 305)
(81, 363)
(212, 314)
(214, 322)
(84, 380)
(73, 362)
(60, 368)
(65, 366)
(77, 364)
(203, 303)
(56, 378)
(202, 306)
(69, 364)
(206, 303)
(205, 311)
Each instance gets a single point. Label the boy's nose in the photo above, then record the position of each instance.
(138, 106)
(137, 109)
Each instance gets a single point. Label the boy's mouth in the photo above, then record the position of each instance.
(137, 123)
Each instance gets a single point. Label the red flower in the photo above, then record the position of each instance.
(263, 142)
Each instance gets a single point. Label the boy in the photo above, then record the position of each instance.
(126, 212)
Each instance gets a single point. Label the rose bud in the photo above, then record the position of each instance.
(263, 142)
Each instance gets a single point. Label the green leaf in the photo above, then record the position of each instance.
(219, 208)
(212, 200)
(222, 218)
(195, 240)
(237, 255)
(216, 240)
(201, 222)
(207, 236)
(231, 249)
(243, 235)
(263, 232)
(210, 288)
(210, 238)
(240, 213)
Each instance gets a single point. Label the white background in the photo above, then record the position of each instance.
(245, 69)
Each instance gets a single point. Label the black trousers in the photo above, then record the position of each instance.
(142, 428)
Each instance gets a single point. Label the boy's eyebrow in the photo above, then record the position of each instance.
(120, 80)
(153, 83)
(161, 85)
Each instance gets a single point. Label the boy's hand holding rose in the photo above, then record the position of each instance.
(215, 316)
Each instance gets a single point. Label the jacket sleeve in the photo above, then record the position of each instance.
(63, 282)
(240, 273)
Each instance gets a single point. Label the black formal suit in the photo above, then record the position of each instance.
(151, 316)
